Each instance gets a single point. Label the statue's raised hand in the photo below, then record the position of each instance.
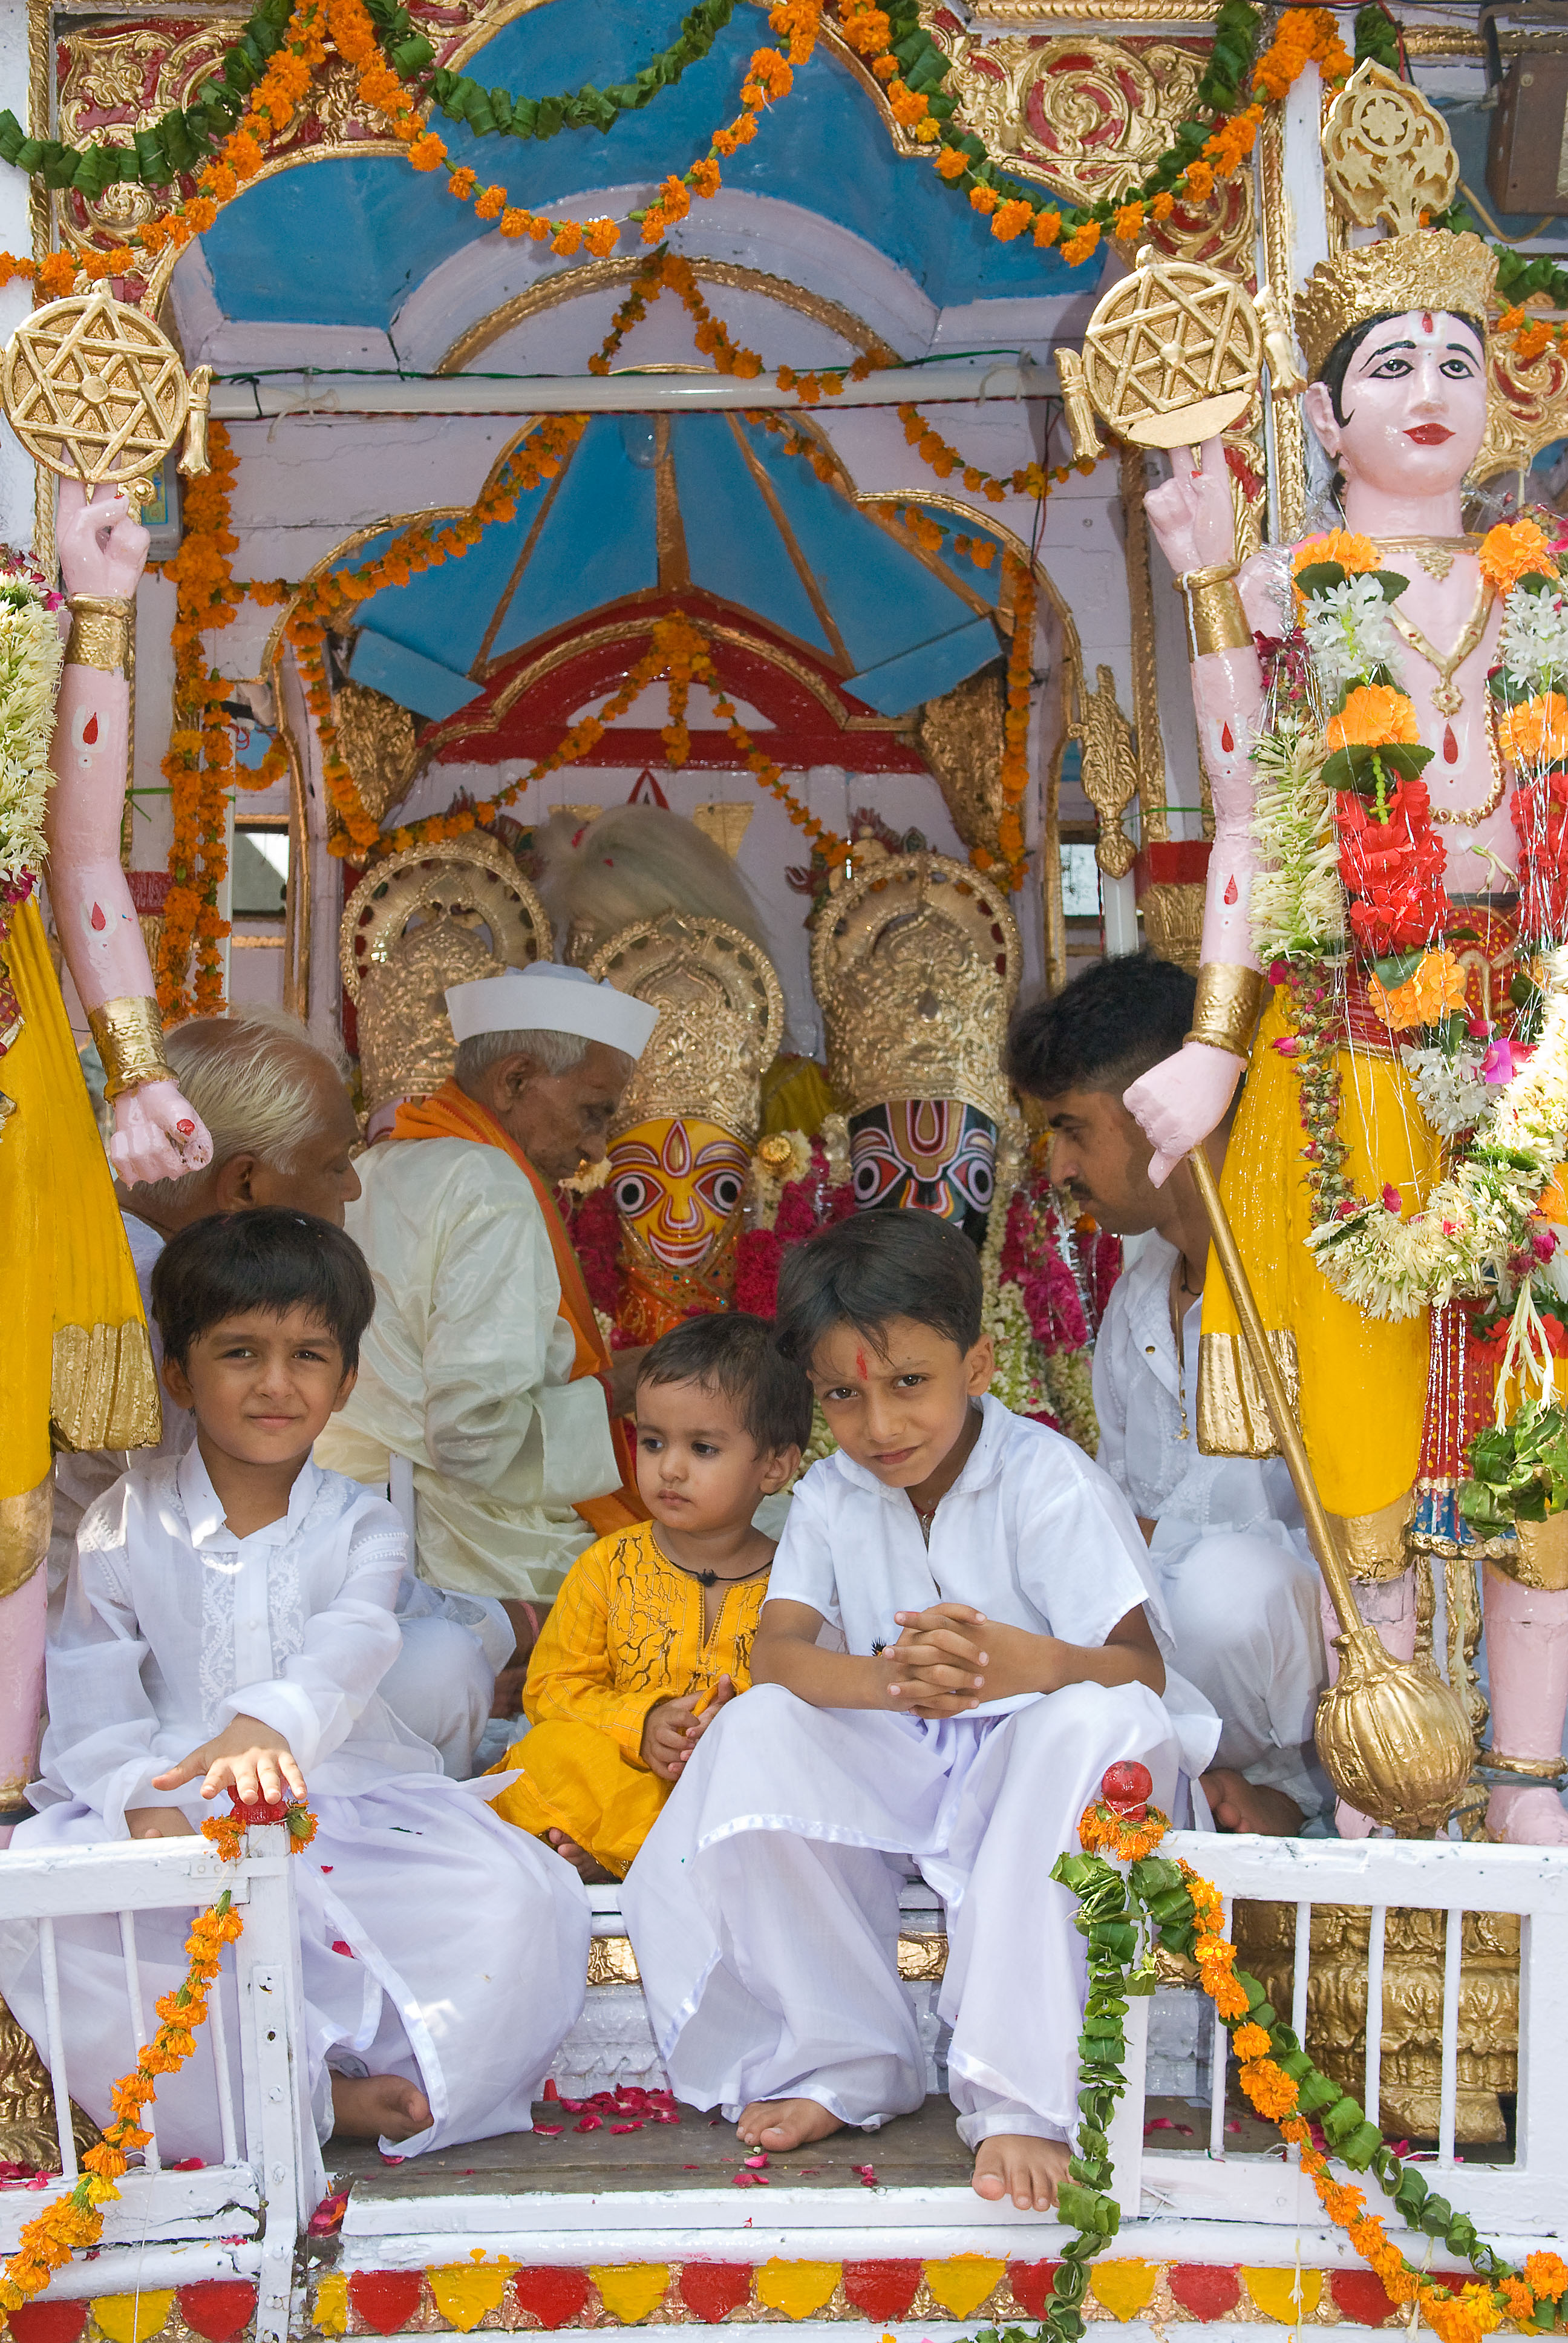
(1177, 1103)
(157, 1135)
(102, 549)
(1191, 514)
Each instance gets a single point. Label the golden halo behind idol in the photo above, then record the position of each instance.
(681, 1143)
(914, 964)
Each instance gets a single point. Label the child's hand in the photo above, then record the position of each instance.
(938, 1660)
(673, 1728)
(247, 1755)
(158, 1822)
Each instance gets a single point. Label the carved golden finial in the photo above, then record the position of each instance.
(1110, 773)
(1279, 345)
(193, 456)
(1387, 153)
(1086, 446)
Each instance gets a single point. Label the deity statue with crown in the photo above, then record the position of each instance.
(682, 1166)
(1381, 712)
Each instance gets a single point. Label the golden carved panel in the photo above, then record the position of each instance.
(1527, 408)
(1089, 118)
(1110, 772)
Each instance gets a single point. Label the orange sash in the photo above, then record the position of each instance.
(452, 1114)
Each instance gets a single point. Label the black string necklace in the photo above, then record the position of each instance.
(709, 1577)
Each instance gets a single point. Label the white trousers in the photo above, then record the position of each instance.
(1245, 1616)
(764, 1906)
(443, 1680)
(436, 1943)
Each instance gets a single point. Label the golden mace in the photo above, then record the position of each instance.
(1395, 1742)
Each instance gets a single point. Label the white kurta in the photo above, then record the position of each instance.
(170, 1626)
(1230, 1545)
(764, 1904)
(443, 1680)
(465, 1371)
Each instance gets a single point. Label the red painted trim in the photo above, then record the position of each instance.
(1171, 862)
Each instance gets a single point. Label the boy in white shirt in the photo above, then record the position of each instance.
(986, 1588)
(226, 1622)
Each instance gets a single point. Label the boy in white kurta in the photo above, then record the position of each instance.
(988, 1589)
(226, 1622)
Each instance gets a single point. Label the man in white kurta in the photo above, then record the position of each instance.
(170, 1626)
(471, 1369)
(1226, 1535)
(764, 1906)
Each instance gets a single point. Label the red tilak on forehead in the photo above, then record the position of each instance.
(861, 1369)
(1426, 325)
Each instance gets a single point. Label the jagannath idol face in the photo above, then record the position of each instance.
(1408, 414)
(677, 1182)
(927, 1156)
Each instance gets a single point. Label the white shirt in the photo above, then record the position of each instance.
(1140, 1393)
(172, 1625)
(465, 1370)
(1031, 1534)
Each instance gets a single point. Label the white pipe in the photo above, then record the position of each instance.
(236, 399)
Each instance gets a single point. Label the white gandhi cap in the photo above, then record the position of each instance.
(548, 998)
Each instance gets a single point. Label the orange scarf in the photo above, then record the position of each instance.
(452, 1114)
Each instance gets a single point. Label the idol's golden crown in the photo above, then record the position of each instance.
(1430, 269)
(914, 964)
(720, 1022)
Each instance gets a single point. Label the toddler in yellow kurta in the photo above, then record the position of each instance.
(651, 1632)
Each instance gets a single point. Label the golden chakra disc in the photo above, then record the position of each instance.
(1172, 354)
(94, 390)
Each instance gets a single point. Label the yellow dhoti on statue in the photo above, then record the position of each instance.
(1358, 1384)
(76, 1368)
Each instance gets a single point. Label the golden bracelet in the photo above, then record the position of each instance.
(1215, 618)
(100, 632)
(1225, 1013)
(130, 1040)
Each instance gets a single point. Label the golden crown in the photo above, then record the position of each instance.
(1428, 268)
(720, 1022)
(446, 913)
(914, 964)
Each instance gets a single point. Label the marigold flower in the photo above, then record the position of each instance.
(1011, 219)
(1513, 550)
(1083, 242)
(601, 237)
(1534, 731)
(1435, 986)
(885, 68)
(1353, 553)
(705, 178)
(491, 204)
(1128, 222)
(1047, 226)
(983, 198)
(1250, 2042)
(1374, 716)
(952, 162)
(1547, 2276)
(1199, 182)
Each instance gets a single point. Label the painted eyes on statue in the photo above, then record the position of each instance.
(720, 1189)
(633, 1194)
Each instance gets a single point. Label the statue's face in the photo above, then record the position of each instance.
(678, 1182)
(1414, 404)
(928, 1155)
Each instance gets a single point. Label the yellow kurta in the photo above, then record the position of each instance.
(75, 1369)
(625, 1633)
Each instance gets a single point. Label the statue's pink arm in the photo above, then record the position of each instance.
(157, 1135)
(1181, 1100)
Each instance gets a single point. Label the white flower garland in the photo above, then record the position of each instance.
(31, 654)
(1480, 1214)
(1298, 904)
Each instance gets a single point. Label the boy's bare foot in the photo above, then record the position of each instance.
(589, 1870)
(377, 2106)
(1030, 2171)
(780, 2125)
(1238, 1805)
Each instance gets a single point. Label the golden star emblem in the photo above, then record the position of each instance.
(1172, 354)
(94, 390)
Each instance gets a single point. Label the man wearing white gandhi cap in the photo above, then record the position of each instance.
(484, 1366)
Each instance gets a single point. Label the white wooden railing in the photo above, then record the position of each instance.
(243, 2215)
(1528, 2196)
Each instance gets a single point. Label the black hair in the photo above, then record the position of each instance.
(1110, 1025)
(1336, 366)
(734, 1354)
(873, 1268)
(271, 1259)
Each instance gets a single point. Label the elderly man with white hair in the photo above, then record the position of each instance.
(283, 1132)
(483, 1373)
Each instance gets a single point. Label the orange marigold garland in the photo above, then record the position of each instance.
(1166, 1902)
(199, 766)
(75, 2223)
